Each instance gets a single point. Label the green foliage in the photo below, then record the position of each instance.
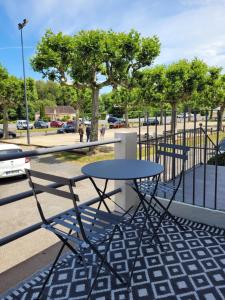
(94, 59)
(220, 160)
(53, 56)
(42, 111)
(46, 119)
(180, 84)
(152, 87)
(48, 90)
(211, 95)
(65, 118)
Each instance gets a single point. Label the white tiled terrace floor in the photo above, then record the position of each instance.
(192, 266)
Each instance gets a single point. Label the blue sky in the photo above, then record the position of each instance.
(186, 28)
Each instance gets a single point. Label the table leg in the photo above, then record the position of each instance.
(147, 209)
(101, 194)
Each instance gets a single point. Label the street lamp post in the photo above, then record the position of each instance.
(20, 27)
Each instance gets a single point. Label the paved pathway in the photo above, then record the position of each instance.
(72, 138)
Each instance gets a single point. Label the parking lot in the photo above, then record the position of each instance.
(51, 139)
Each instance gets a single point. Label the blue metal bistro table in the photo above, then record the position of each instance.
(124, 169)
(121, 169)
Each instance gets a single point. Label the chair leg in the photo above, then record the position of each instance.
(65, 243)
(155, 229)
(168, 213)
(144, 202)
(108, 265)
(135, 212)
(50, 272)
(103, 261)
(137, 251)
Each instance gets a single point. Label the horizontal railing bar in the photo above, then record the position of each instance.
(50, 150)
(21, 196)
(34, 227)
(190, 147)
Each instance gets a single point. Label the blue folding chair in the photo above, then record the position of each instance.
(152, 188)
(81, 228)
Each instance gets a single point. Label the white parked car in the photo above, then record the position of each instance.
(22, 124)
(181, 115)
(12, 167)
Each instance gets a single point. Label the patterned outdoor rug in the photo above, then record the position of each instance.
(192, 266)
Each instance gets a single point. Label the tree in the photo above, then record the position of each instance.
(152, 88)
(212, 90)
(124, 98)
(10, 92)
(221, 99)
(94, 59)
(177, 75)
(213, 94)
(195, 84)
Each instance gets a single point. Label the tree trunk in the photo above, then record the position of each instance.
(220, 115)
(77, 118)
(5, 122)
(189, 113)
(126, 115)
(211, 113)
(42, 111)
(161, 114)
(95, 114)
(173, 117)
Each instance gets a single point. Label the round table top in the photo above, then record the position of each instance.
(122, 169)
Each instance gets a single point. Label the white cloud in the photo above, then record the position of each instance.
(186, 28)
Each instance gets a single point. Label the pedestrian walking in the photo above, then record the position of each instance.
(102, 131)
(81, 132)
(88, 133)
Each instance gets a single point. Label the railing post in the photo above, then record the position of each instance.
(126, 149)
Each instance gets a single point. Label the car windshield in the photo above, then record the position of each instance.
(9, 151)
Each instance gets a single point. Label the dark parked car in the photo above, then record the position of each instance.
(117, 124)
(66, 129)
(71, 123)
(56, 124)
(11, 134)
(112, 119)
(151, 122)
(221, 146)
(40, 124)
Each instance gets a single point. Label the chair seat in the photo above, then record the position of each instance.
(97, 224)
(147, 187)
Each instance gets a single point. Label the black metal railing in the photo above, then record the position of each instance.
(204, 171)
(20, 196)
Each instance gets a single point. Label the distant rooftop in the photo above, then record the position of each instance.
(60, 110)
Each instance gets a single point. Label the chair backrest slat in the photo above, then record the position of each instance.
(175, 146)
(51, 190)
(171, 154)
(170, 150)
(49, 177)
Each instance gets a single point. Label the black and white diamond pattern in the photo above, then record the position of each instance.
(192, 266)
